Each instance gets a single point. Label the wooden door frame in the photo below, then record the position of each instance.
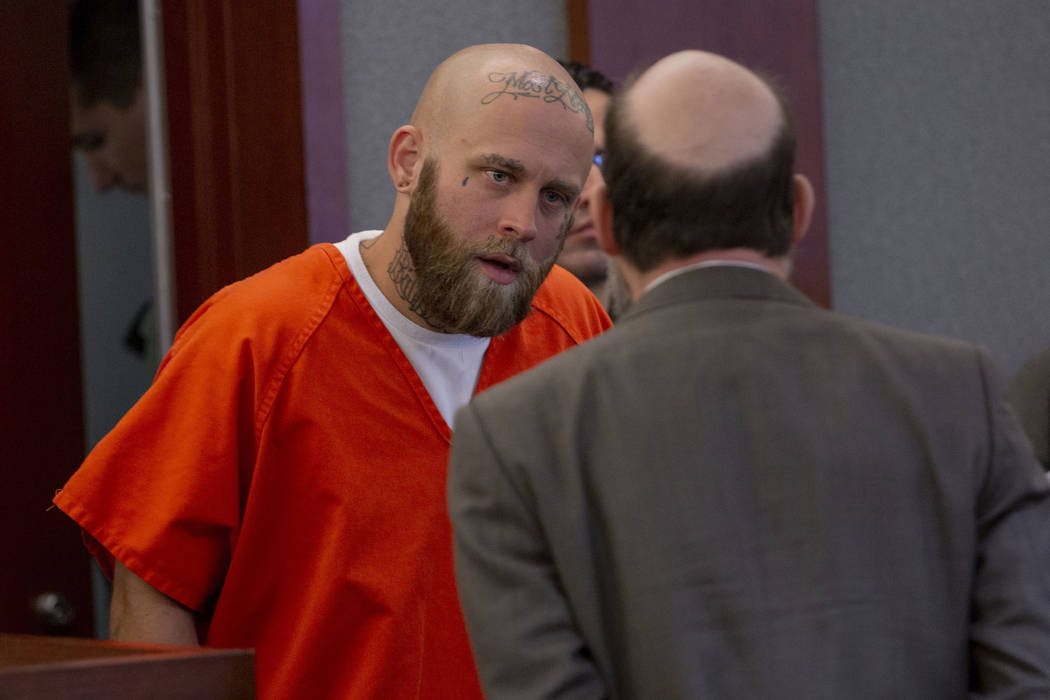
(41, 415)
(235, 132)
(238, 205)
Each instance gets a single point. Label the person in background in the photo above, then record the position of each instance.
(735, 493)
(582, 256)
(281, 485)
(108, 119)
(108, 106)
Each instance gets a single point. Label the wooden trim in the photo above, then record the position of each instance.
(236, 141)
(78, 669)
(579, 32)
(41, 414)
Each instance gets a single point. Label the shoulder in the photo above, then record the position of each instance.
(549, 387)
(255, 330)
(295, 291)
(905, 345)
(1035, 372)
(564, 301)
(564, 314)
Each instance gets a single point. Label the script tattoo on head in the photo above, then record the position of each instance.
(541, 86)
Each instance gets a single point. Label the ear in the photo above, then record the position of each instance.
(602, 216)
(405, 157)
(804, 201)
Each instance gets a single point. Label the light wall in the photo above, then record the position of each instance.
(389, 50)
(937, 138)
(115, 279)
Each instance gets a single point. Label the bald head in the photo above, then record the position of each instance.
(702, 112)
(699, 157)
(464, 84)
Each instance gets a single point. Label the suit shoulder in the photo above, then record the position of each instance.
(567, 370)
(565, 301)
(942, 364)
(908, 340)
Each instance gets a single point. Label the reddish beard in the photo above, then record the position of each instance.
(449, 292)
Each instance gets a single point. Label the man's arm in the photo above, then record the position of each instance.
(141, 613)
(1010, 620)
(1029, 392)
(521, 628)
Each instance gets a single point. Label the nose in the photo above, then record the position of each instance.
(518, 218)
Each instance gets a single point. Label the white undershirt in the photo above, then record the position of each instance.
(448, 363)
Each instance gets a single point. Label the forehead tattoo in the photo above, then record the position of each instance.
(534, 84)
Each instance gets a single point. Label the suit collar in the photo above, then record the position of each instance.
(719, 282)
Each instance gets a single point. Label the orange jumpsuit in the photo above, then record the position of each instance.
(285, 477)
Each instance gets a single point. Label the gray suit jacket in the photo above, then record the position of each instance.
(1029, 392)
(737, 494)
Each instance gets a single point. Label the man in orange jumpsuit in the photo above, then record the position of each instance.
(281, 485)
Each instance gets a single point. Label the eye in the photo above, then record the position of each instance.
(554, 197)
(498, 176)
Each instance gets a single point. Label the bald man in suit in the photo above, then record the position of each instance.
(735, 493)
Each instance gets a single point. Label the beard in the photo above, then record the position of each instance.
(447, 291)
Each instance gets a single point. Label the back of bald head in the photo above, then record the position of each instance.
(702, 111)
(465, 79)
(699, 156)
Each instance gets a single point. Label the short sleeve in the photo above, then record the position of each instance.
(162, 492)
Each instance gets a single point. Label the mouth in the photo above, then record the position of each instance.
(502, 269)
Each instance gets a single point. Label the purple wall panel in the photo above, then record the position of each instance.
(780, 37)
(323, 122)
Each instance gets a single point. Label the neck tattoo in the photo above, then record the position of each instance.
(403, 275)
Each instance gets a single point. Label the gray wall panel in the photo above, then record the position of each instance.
(389, 50)
(115, 277)
(937, 134)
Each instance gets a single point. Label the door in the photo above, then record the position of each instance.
(41, 416)
(238, 205)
